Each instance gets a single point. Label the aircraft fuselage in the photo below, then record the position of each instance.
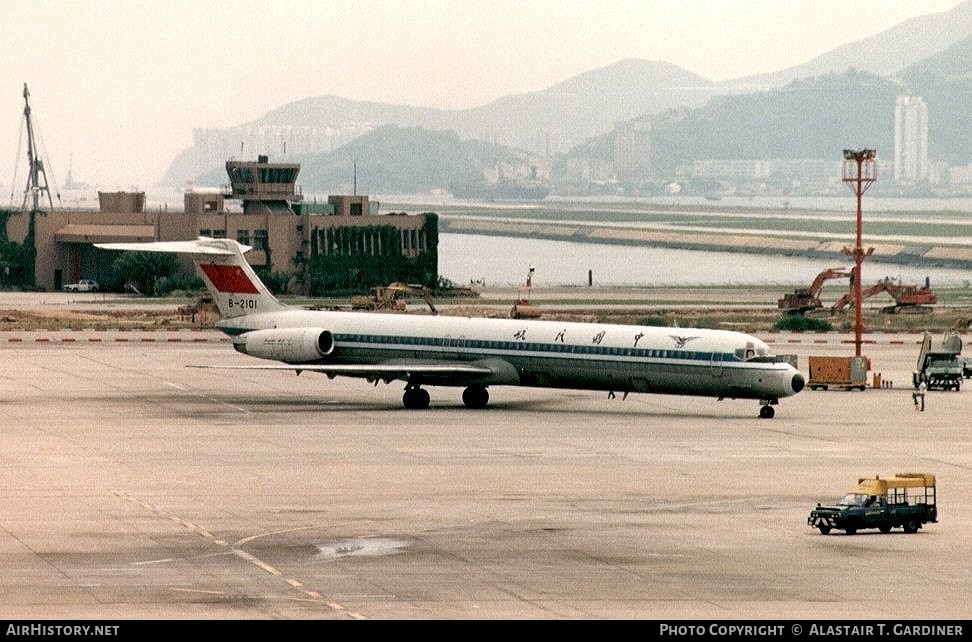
(650, 359)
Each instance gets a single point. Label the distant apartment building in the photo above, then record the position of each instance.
(910, 140)
(728, 169)
(632, 150)
(810, 175)
(213, 145)
(959, 179)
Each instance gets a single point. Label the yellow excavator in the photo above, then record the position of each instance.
(391, 298)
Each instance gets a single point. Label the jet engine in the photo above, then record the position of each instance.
(291, 345)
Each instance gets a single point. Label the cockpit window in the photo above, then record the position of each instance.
(753, 352)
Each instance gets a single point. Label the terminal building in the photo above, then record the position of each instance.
(286, 233)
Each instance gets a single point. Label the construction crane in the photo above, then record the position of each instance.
(911, 298)
(803, 300)
(37, 176)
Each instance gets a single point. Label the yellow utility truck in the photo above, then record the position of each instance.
(907, 500)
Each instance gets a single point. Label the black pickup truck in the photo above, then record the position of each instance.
(906, 500)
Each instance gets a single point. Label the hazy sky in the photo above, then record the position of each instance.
(116, 86)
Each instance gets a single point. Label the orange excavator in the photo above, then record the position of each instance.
(803, 300)
(909, 298)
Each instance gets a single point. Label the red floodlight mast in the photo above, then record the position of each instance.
(860, 170)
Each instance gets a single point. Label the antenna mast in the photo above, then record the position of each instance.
(34, 176)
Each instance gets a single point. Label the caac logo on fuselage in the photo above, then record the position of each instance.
(681, 341)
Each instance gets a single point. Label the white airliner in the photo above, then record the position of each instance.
(475, 353)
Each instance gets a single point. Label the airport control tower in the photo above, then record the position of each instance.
(264, 187)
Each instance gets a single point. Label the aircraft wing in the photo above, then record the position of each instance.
(448, 372)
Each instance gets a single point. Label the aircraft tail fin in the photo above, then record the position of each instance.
(234, 286)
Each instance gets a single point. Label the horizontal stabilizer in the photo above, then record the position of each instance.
(234, 286)
(199, 246)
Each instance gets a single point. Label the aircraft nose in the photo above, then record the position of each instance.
(797, 382)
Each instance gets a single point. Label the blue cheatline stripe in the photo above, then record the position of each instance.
(524, 347)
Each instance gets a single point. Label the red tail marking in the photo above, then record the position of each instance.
(229, 278)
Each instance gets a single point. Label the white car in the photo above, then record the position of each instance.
(84, 285)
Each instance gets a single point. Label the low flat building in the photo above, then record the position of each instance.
(287, 234)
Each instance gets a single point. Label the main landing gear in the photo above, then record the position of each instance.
(475, 397)
(417, 398)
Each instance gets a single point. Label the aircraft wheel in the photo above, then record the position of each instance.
(766, 412)
(475, 397)
(416, 399)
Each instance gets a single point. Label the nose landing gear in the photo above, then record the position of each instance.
(766, 410)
